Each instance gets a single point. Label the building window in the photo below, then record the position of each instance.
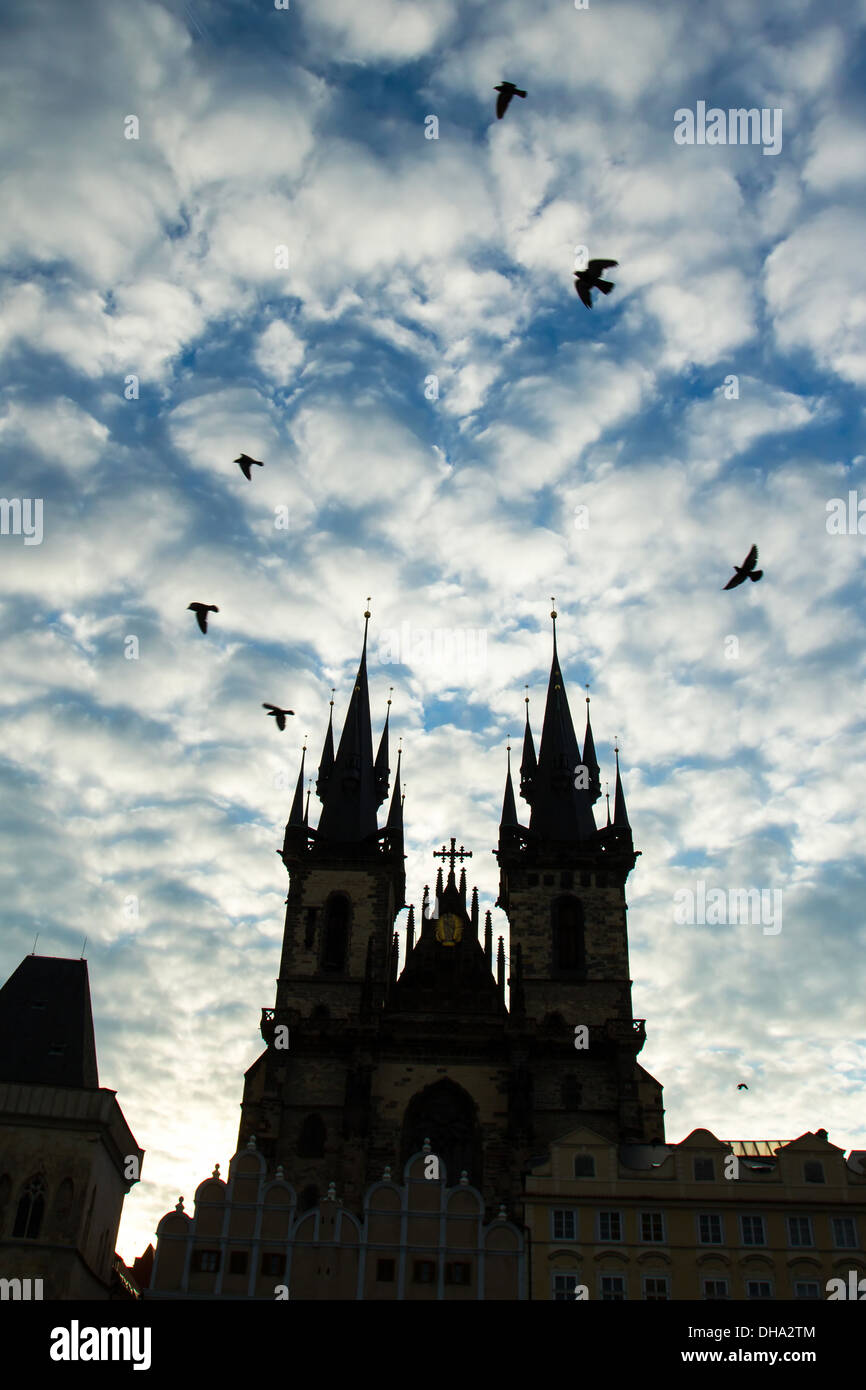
(613, 1288)
(273, 1263)
(566, 879)
(759, 1288)
(458, 1272)
(238, 1261)
(336, 934)
(655, 1288)
(704, 1170)
(609, 1225)
(564, 1224)
(424, 1271)
(548, 880)
(652, 1226)
(568, 943)
(715, 1289)
(206, 1261)
(805, 1288)
(309, 1197)
(813, 1171)
(601, 880)
(564, 1286)
(710, 1228)
(385, 1271)
(585, 880)
(311, 1140)
(800, 1230)
(844, 1232)
(31, 1209)
(754, 1230)
(584, 1166)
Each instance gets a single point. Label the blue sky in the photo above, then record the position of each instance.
(160, 778)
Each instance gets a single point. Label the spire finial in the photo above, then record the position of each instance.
(390, 693)
(553, 613)
(526, 698)
(333, 693)
(586, 688)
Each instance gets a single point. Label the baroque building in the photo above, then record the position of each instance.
(67, 1156)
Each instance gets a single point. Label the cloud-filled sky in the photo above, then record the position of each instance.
(288, 266)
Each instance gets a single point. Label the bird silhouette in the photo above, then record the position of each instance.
(245, 464)
(506, 91)
(587, 280)
(278, 714)
(746, 570)
(742, 1086)
(201, 611)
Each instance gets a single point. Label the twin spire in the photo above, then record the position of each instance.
(351, 785)
(560, 785)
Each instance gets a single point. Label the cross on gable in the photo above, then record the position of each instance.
(452, 853)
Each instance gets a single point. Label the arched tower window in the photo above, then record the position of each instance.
(336, 934)
(311, 1141)
(309, 1198)
(31, 1208)
(568, 937)
(446, 1115)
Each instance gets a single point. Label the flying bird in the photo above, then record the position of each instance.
(587, 280)
(278, 714)
(742, 1086)
(506, 91)
(201, 611)
(746, 570)
(245, 463)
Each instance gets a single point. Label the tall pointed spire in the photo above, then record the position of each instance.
(589, 760)
(349, 803)
(529, 762)
(326, 762)
(620, 814)
(488, 939)
(560, 811)
(509, 809)
(395, 813)
(410, 931)
(382, 768)
(296, 815)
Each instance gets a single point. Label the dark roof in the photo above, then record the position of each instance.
(46, 1025)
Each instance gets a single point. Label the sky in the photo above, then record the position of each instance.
(227, 228)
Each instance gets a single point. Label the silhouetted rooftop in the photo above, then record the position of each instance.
(46, 1024)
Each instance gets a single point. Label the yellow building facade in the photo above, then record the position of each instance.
(702, 1220)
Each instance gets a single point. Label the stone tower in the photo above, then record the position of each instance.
(363, 1064)
(562, 886)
